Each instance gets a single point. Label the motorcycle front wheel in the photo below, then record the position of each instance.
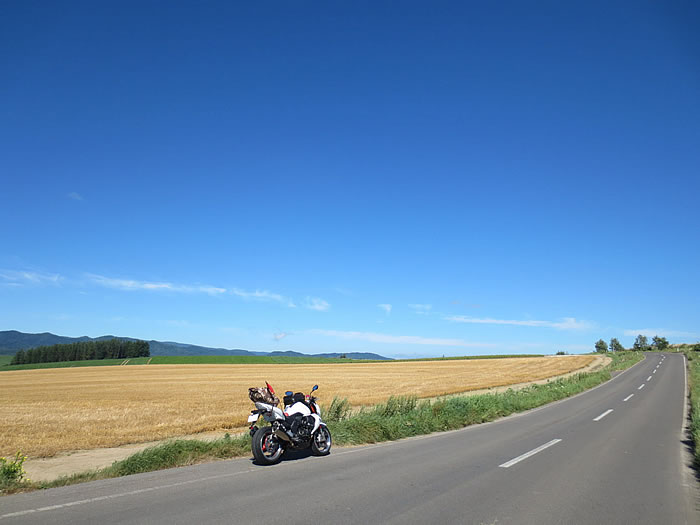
(321, 442)
(266, 448)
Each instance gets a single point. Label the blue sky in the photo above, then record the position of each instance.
(411, 179)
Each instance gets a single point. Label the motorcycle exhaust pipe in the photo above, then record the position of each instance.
(282, 435)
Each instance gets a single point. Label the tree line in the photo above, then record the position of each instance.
(83, 351)
(641, 344)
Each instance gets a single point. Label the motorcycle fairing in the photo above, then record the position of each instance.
(266, 409)
(298, 408)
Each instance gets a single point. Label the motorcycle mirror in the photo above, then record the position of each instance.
(314, 388)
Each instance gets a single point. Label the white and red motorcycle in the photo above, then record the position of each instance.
(298, 427)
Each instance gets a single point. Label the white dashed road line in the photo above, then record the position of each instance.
(641, 386)
(628, 397)
(649, 378)
(603, 414)
(528, 454)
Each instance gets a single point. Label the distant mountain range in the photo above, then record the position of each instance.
(11, 341)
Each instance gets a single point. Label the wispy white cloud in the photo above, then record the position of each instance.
(422, 309)
(316, 303)
(566, 323)
(75, 196)
(211, 290)
(279, 336)
(571, 323)
(18, 278)
(385, 307)
(651, 332)
(263, 295)
(373, 337)
(132, 284)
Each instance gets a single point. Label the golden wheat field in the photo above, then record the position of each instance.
(44, 412)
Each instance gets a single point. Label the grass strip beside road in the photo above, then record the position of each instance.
(694, 393)
(397, 418)
(175, 453)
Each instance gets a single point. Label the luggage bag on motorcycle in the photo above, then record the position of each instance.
(262, 395)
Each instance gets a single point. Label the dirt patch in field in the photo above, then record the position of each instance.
(67, 463)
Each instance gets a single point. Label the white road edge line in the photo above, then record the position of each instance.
(123, 494)
(528, 454)
(603, 414)
(641, 386)
(628, 397)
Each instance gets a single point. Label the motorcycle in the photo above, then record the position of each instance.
(298, 427)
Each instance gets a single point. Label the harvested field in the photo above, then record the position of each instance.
(48, 411)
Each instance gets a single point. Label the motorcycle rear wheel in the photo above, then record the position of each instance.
(266, 448)
(321, 441)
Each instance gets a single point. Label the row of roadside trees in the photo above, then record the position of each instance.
(82, 351)
(641, 344)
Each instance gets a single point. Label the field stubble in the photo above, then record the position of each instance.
(45, 412)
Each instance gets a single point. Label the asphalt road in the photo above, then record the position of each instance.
(614, 454)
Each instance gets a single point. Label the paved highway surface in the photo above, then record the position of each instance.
(614, 454)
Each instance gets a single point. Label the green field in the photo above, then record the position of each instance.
(181, 360)
(70, 364)
(224, 360)
(243, 360)
(463, 357)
